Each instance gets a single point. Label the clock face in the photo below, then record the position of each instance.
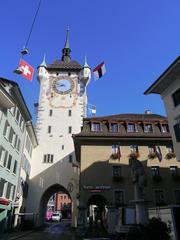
(63, 86)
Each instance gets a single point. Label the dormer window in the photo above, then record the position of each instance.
(132, 127)
(95, 127)
(114, 127)
(164, 128)
(148, 128)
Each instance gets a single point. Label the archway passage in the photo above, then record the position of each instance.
(97, 210)
(55, 204)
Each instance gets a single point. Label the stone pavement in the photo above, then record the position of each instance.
(14, 235)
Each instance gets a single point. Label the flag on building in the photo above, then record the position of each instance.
(158, 152)
(99, 71)
(27, 70)
(92, 110)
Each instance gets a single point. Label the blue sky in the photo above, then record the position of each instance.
(137, 40)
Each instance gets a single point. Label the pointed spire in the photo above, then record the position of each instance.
(43, 64)
(85, 62)
(67, 38)
(66, 50)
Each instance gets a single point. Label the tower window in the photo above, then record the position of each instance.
(50, 112)
(48, 158)
(62, 147)
(70, 129)
(69, 113)
(49, 129)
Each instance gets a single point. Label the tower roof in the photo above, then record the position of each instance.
(66, 50)
(65, 63)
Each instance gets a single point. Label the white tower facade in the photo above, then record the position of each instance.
(61, 108)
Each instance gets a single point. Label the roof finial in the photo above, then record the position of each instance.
(66, 50)
(85, 62)
(67, 38)
(43, 64)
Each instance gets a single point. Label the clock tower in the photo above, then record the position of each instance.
(61, 108)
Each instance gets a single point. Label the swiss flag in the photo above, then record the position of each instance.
(27, 70)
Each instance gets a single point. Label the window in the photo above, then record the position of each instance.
(151, 149)
(132, 127)
(15, 167)
(164, 128)
(114, 127)
(5, 189)
(118, 197)
(148, 128)
(117, 171)
(18, 144)
(170, 149)
(49, 129)
(176, 97)
(70, 130)
(69, 113)
(177, 131)
(17, 115)
(2, 182)
(2, 154)
(48, 158)
(177, 196)
(62, 147)
(70, 158)
(11, 133)
(12, 191)
(115, 148)
(134, 148)
(95, 127)
(159, 197)
(9, 161)
(155, 171)
(5, 159)
(173, 170)
(21, 123)
(50, 112)
(6, 130)
(12, 110)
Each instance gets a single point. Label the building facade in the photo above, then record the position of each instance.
(14, 121)
(103, 149)
(60, 110)
(168, 86)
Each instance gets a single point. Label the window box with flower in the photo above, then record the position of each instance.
(114, 156)
(170, 155)
(134, 155)
(152, 155)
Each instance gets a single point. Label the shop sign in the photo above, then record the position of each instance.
(100, 188)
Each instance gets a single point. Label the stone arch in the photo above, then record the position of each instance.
(45, 197)
(101, 202)
(98, 200)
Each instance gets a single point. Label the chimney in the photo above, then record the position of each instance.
(148, 112)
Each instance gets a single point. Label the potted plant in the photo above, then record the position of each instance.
(152, 155)
(134, 155)
(114, 156)
(170, 155)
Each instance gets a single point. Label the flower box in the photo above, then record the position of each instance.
(170, 155)
(114, 156)
(134, 155)
(152, 155)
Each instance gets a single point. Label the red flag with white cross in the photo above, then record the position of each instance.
(27, 70)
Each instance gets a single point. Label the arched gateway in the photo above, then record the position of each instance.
(60, 110)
